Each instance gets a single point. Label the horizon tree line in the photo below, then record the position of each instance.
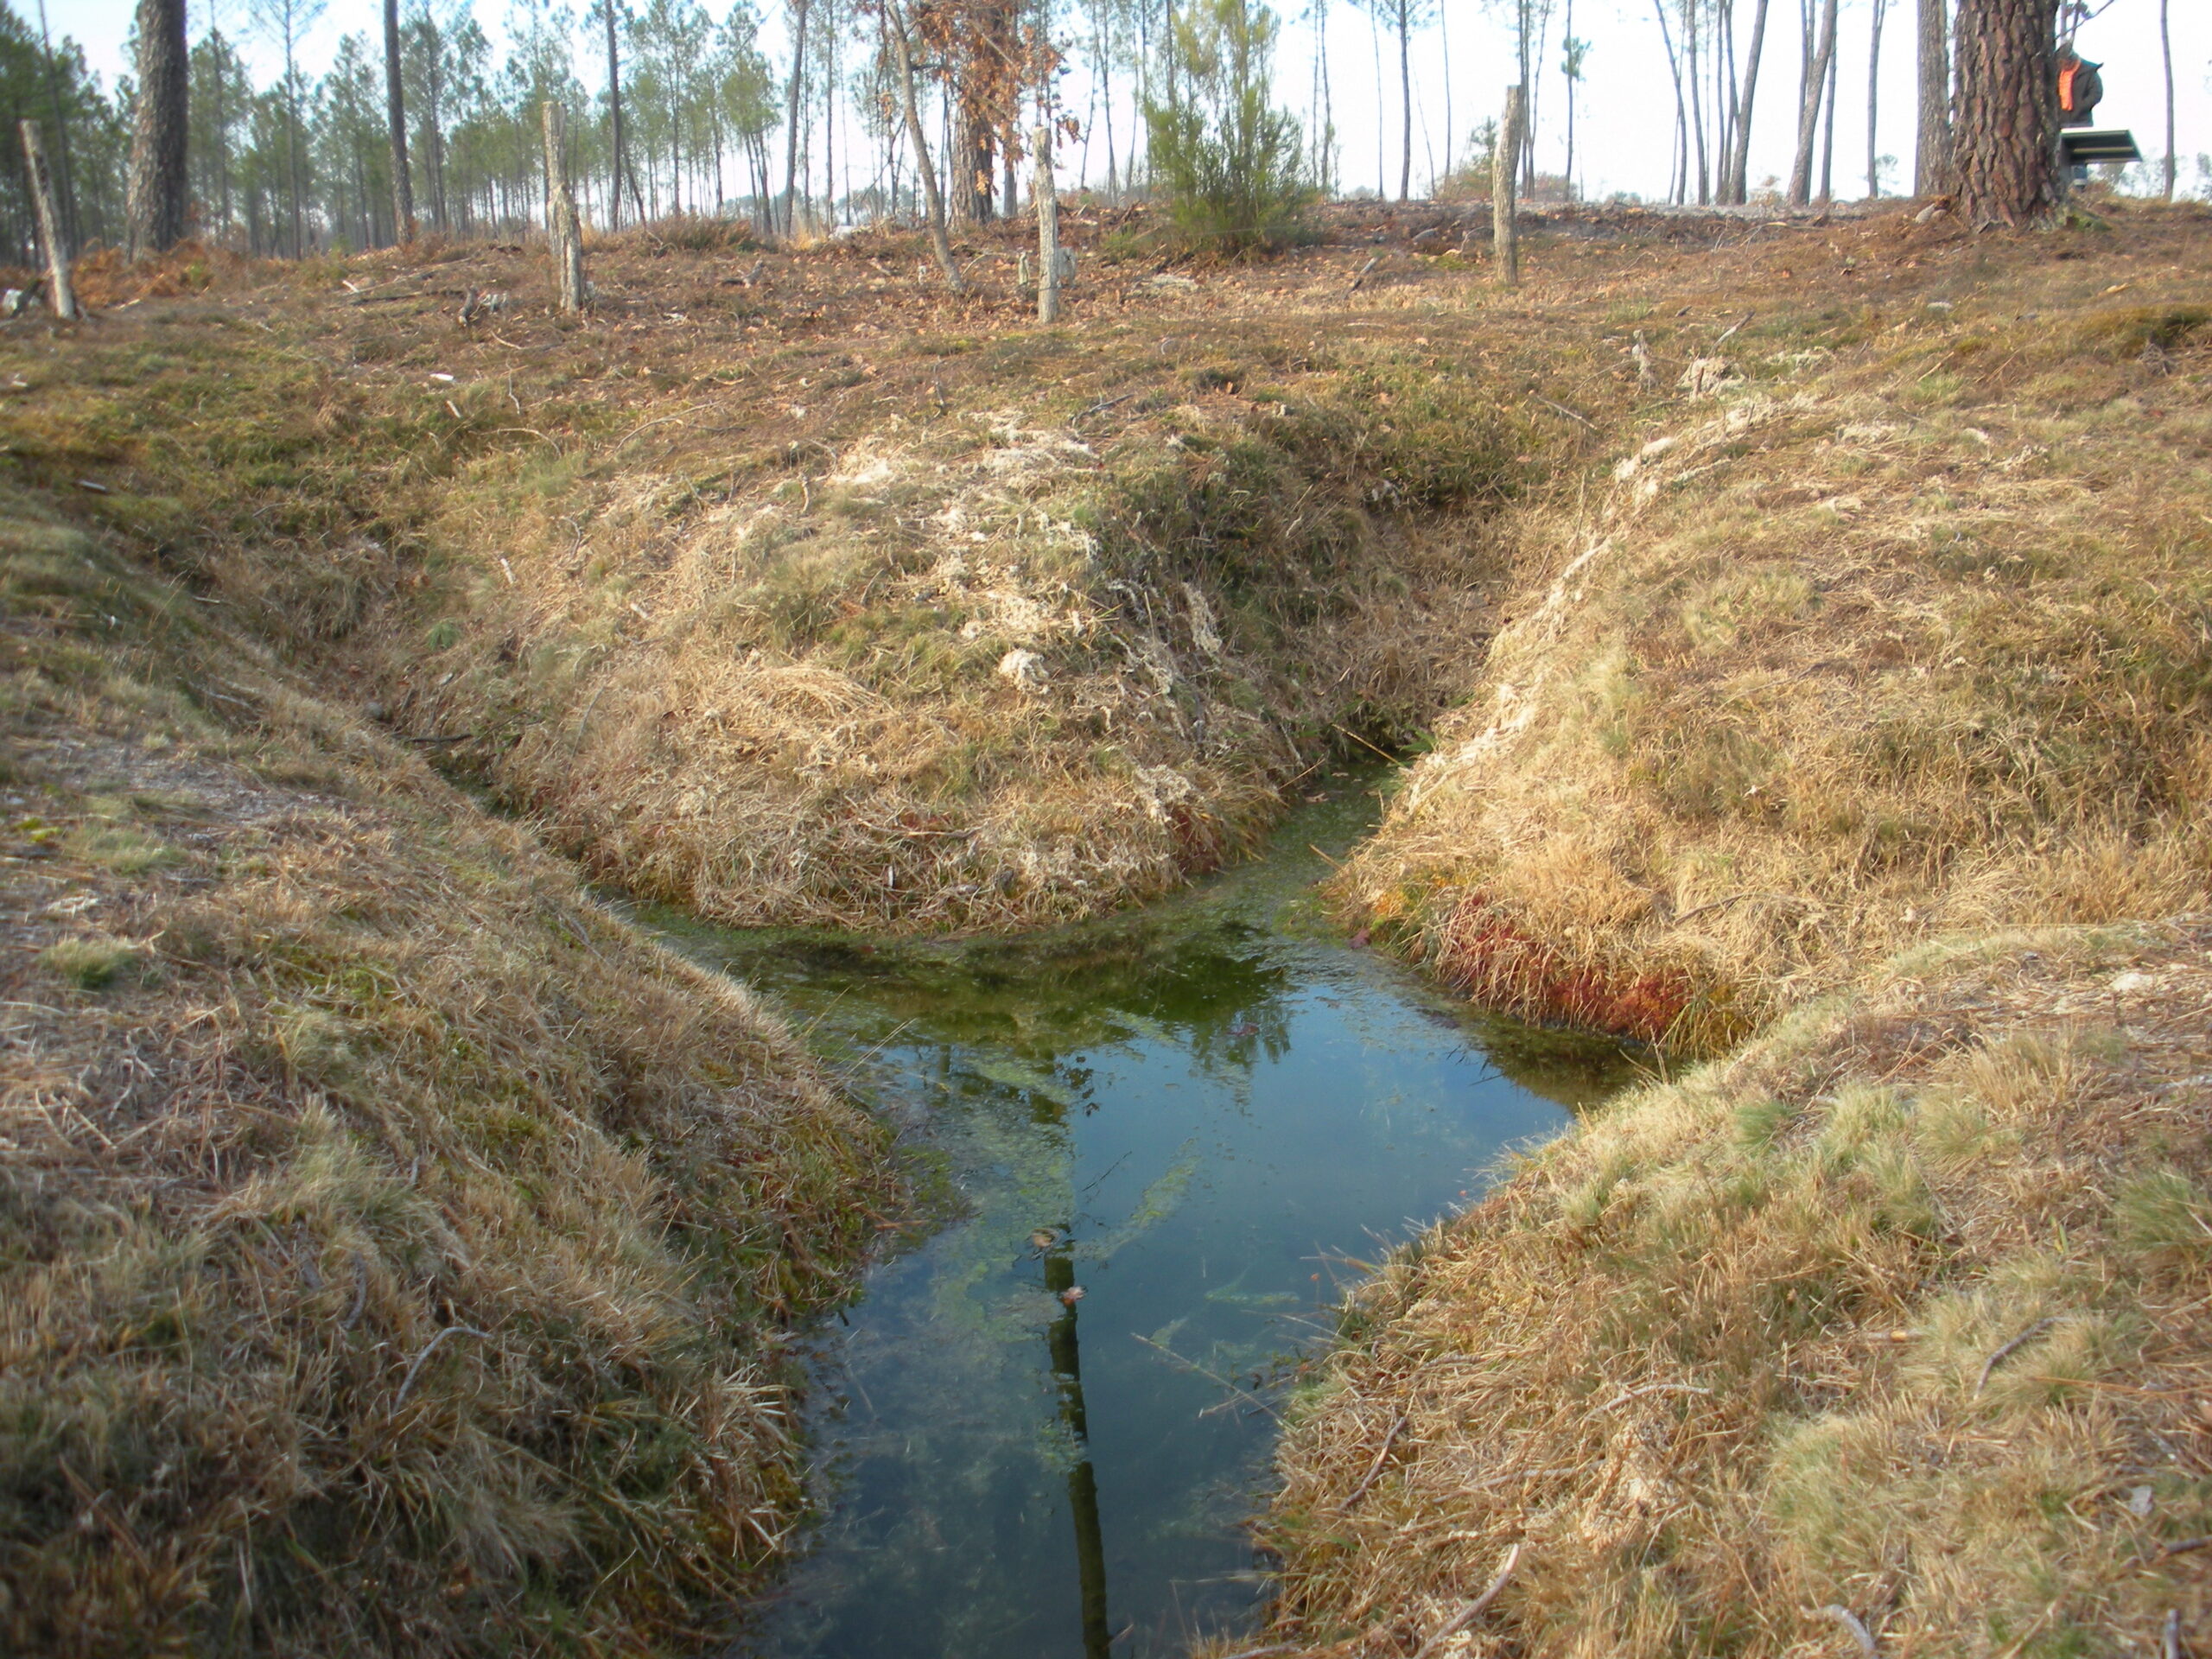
(412, 126)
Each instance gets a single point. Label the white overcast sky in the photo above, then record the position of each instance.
(1625, 108)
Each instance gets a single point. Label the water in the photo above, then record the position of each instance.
(1203, 1117)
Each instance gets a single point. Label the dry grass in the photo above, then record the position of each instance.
(1901, 635)
(396, 1247)
(718, 584)
(1901, 1310)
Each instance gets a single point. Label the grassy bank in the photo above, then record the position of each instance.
(820, 597)
(1851, 728)
(1898, 634)
(396, 1248)
(1899, 1311)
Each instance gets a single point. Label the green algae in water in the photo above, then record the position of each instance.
(1171, 1135)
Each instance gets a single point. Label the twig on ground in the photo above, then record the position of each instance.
(1474, 1610)
(1375, 1469)
(2000, 1357)
(1851, 1622)
(1561, 409)
(1627, 1394)
(430, 1348)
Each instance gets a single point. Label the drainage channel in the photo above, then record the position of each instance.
(1167, 1142)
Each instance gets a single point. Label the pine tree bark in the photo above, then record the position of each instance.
(1404, 8)
(1738, 189)
(1812, 95)
(1048, 228)
(791, 139)
(563, 228)
(1931, 161)
(53, 241)
(395, 102)
(159, 188)
(1874, 101)
(940, 243)
(2004, 160)
(1504, 173)
(614, 111)
(2166, 56)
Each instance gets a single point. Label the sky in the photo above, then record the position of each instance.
(1624, 112)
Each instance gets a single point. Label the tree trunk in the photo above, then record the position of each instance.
(1931, 161)
(1405, 100)
(1571, 77)
(402, 187)
(159, 187)
(2004, 139)
(1678, 182)
(1808, 108)
(1827, 135)
(1048, 228)
(1504, 174)
(61, 298)
(1382, 156)
(940, 243)
(561, 228)
(1874, 101)
(2166, 52)
(1739, 163)
(1696, 104)
(614, 118)
(791, 141)
(61, 124)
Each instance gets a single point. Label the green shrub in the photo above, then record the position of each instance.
(1228, 161)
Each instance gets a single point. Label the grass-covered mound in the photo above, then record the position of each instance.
(1898, 1317)
(1896, 631)
(827, 599)
(394, 1247)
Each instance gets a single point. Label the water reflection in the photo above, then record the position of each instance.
(1083, 1480)
(1186, 1115)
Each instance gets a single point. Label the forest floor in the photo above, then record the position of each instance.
(1801, 621)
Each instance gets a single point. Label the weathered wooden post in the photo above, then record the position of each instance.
(59, 294)
(1504, 175)
(561, 228)
(1048, 230)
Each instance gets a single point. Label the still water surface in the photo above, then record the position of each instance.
(1201, 1116)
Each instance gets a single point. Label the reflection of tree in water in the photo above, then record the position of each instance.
(1083, 1481)
(1213, 986)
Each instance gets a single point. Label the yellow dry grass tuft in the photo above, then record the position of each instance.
(394, 1246)
(1901, 1312)
(1882, 643)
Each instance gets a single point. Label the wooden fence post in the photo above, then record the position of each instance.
(561, 228)
(1048, 230)
(1504, 172)
(59, 294)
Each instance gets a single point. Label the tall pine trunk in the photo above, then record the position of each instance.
(1874, 100)
(1739, 162)
(940, 244)
(1808, 108)
(2004, 140)
(617, 162)
(1405, 99)
(395, 97)
(159, 187)
(2166, 54)
(790, 140)
(1931, 161)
